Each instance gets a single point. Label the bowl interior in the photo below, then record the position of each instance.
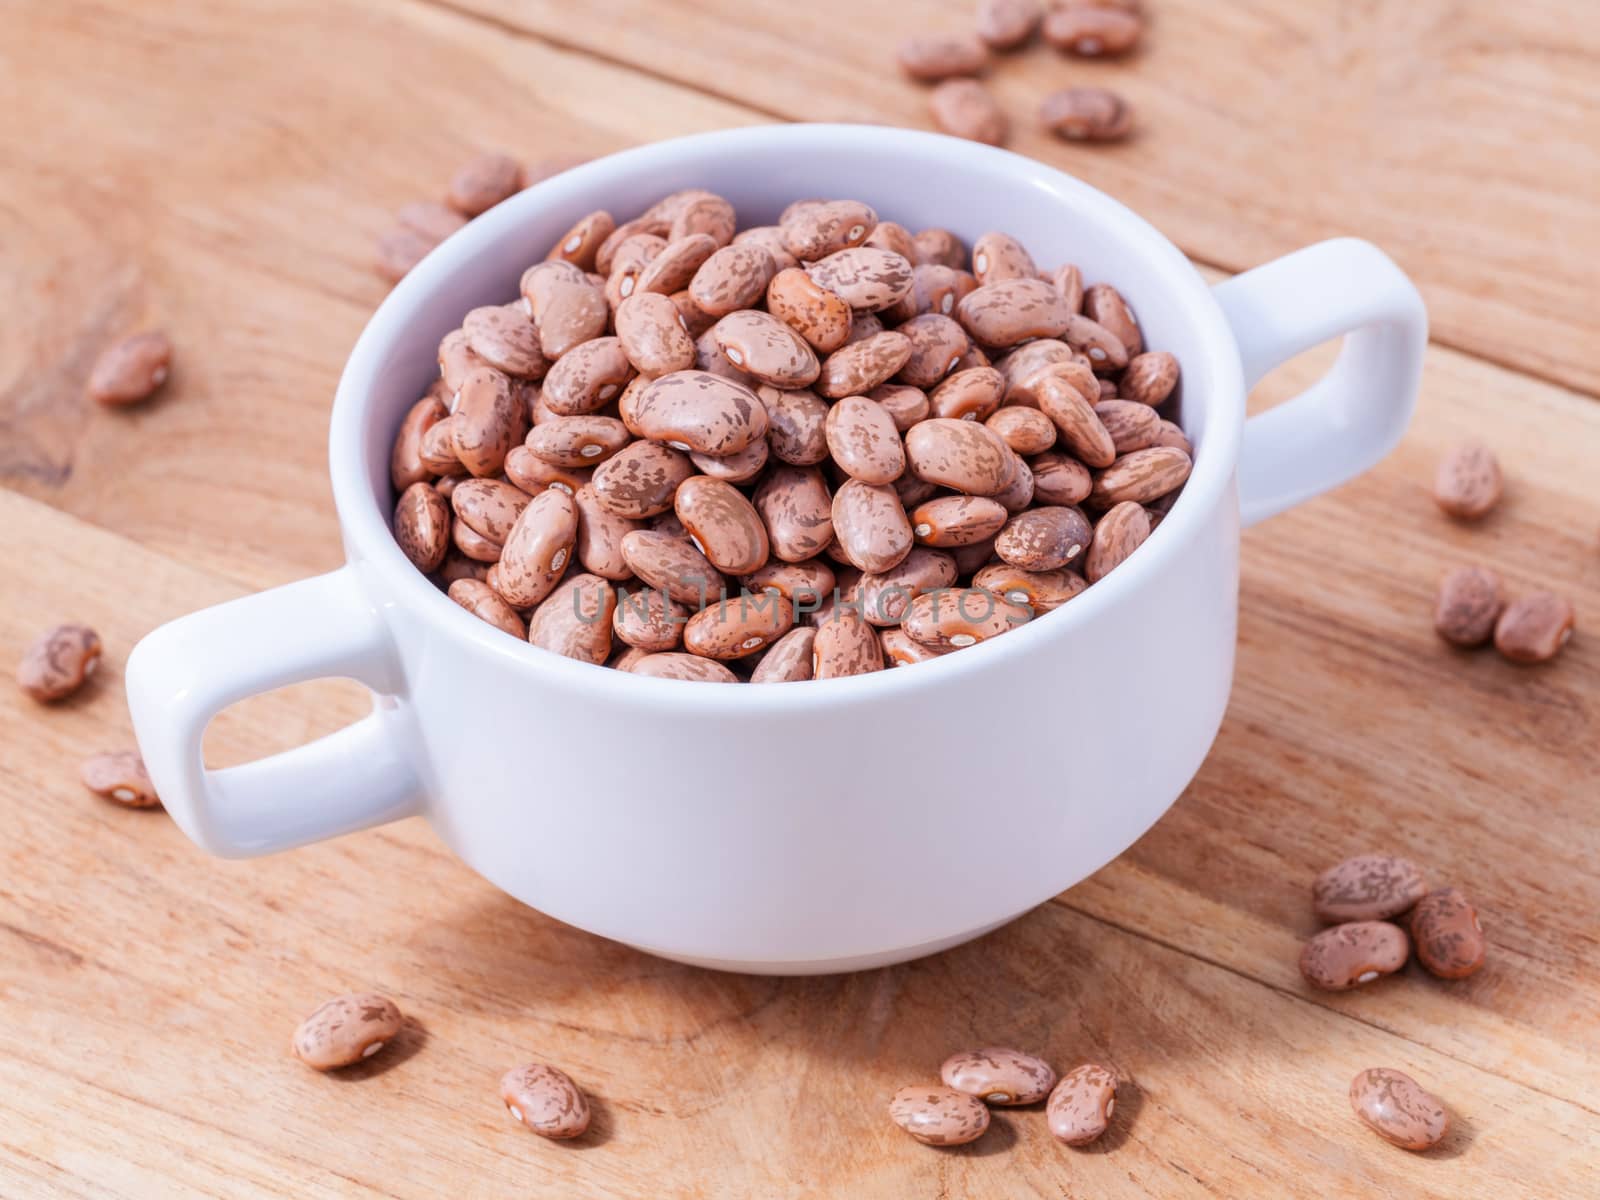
(916, 179)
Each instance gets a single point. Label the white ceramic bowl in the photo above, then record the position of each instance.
(812, 826)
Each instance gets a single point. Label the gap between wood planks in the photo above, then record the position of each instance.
(1310, 1000)
(508, 28)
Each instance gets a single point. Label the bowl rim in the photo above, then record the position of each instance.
(367, 527)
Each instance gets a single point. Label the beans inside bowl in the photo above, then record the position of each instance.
(804, 450)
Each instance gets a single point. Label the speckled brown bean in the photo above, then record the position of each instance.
(456, 358)
(864, 277)
(826, 228)
(939, 1116)
(886, 595)
(1447, 934)
(587, 377)
(1026, 367)
(1104, 305)
(858, 367)
(672, 565)
(489, 506)
(734, 468)
(1091, 31)
(723, 524)
(1068, 280)
(437, 448)
(1059, 479)
(1350, 955)
(864, 441)
(905, 405)
(1007, 24)
(1042, 591)
(965, 108)
(575, 619)
(119, 775)
(797, 425)
(932, 57)
(972, 394)
(405, 460)
(1014, 310)
(1132, 426)
(484, 182)
(545, 1100)
(798, 512)
(1104, 350)
(871, 525)
(581, 244)
(1044, 539)
(957, 520)
(1086, 114)
(934, 289)
(489, 419)
(1396, 1108)
(539, 549)
(346, 1030)
(533, 475)
(695, 410)
(1026, 430)
(811, 310)
(788, 659)
(1469, 602)
(675, 266)
(997, 256)
(732, 278)
(578, 441)
(765, 348)
(59, 661)
(649, 619)
(961, 455)
(473, 544)
(1368, 887)
(738, 626)
(962, 617)
(706, 214)
(652, 335)
(1081, 1105)
(937, 344)
(503, 336)
(806, 585)
(683, 666)
(131, 370)
(641, 480)
(901, 650)
(1171, 435)
(1468, 483)
(1119, 533)
(483, 602)
(769, 238)
(1534, 628)
(1149, 378)
(1144, 475)
(568, 307)
(600, 534)
(422, 526)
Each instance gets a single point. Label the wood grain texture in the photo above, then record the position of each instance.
(1457, 134)
(247, 234)
(147, 992)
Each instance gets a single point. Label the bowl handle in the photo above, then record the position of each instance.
(184, 673)
(1353, 416)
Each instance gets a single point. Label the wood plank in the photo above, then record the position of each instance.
(1457, 134)
(155, 988)
(248, 235)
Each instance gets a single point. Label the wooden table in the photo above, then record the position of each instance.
(223, 169)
